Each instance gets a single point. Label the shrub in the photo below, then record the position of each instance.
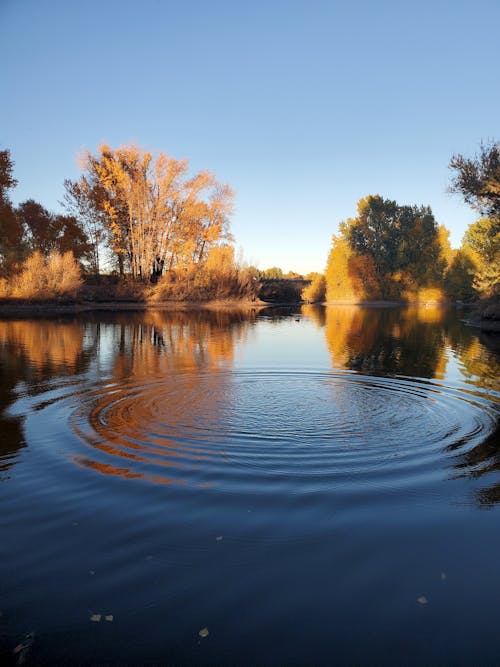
(315, 292)
(40, 277)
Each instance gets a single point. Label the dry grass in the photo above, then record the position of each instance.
(40, 278)
(218, 279)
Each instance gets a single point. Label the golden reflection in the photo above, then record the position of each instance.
(347, 331)
(314, 313)
(370, 340)
(167, 390)
(44, 343)
(430, 313)
(480, 365)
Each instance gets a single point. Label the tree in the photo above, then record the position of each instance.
(11, 231)
(482, 242)
(315, 292)
(402, 242)
(47, 232)
(350, 276)
(459, 276)
(273, 273)
(7, 180)
(477, 179)
(79, 200)
(150, 211)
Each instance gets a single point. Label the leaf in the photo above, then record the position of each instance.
(203, 633)
(218, 538)
(96, 618)
(110, 618)
(422, 599)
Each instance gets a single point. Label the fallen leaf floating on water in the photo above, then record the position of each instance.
(443, 576)
(21, 650)
(422, 599)
(218, 538)
(96, 618)
(203, 633)
(110, 618)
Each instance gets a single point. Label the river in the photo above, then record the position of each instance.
(309, 486)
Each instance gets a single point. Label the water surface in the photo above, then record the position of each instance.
(317, 486)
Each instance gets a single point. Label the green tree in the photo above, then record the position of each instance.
(402, 241)
(477, 179)
(459, 276)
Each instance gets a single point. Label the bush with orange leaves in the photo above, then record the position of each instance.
(40, 277)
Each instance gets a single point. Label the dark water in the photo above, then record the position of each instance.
(308, 488)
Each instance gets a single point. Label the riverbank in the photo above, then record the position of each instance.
(41, 308)
(486, 316)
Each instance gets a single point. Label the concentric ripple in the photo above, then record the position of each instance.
(257, 430)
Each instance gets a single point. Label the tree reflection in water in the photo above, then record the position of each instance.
(419, 342)
(168, 372)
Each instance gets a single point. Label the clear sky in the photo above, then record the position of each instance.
(303, 107)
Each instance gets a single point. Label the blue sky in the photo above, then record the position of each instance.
(303, 107)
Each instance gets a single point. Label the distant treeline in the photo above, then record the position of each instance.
(146, 218)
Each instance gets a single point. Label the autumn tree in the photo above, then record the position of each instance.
(482, 243)
(315, 292)
(273, 273)
(350, 276)
(149, 210)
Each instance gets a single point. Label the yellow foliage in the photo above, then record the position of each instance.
(425, 295)
(153, 211)
(350, 277)
(315, 292)
(345, 324)
(41, 277)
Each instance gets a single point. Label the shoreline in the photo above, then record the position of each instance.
(488, 326)
(54, 308)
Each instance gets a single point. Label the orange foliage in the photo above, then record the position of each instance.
(350, 277)
(152, 210)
